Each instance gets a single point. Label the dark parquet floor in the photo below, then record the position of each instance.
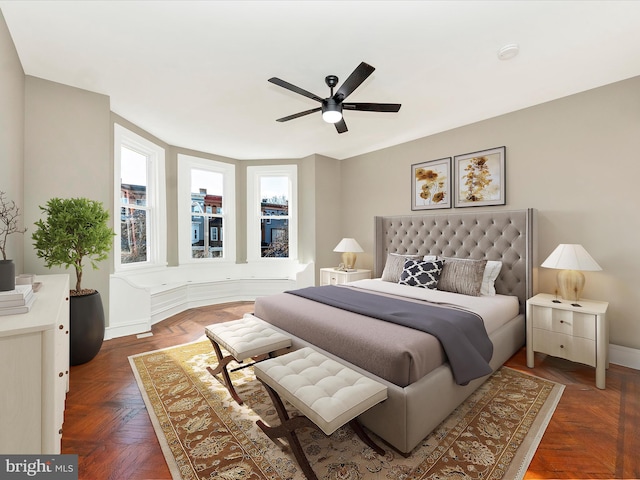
(593, 434)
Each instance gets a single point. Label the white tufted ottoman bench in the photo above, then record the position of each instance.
(327, 393)
(249, 337)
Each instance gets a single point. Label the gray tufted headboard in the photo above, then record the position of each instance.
(504, 235)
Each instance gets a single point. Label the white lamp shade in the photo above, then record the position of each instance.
(348, 245)
(571, 257)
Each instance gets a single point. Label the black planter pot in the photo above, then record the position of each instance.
(86, 328)
(7, 275)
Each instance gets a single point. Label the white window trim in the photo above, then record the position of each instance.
(254, 173)
(185, 164)
(156, 195)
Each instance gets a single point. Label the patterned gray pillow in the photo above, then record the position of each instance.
(418, 273)
(462, 275)
(394, 265)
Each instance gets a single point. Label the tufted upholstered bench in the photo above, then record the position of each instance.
(326, 392)
(248, 337)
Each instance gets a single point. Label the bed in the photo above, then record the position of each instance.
(422, 388)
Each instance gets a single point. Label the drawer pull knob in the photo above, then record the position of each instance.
(561, 321)
(561, 346)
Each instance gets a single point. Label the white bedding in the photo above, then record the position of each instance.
(496, 310)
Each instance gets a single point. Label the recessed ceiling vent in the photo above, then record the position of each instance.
(508, 51)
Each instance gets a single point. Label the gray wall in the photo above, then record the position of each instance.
(575, 160)
(328, 212)
(67, 154)
(11, 136)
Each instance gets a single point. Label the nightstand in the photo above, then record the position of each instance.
(576, 331)
(331, 276)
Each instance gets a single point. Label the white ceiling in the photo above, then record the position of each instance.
(194, 73)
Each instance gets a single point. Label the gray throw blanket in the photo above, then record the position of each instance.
(461, 333)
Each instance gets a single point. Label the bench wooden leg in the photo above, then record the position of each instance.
(288, 426)
(287, 429)
(355, 424)
(222, 369)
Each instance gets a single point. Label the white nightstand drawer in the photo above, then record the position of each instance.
(331, 276)
(565, 321)
(576, 349)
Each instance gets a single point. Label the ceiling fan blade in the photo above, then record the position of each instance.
(373, 107)
(341, 127)
(293, 88)
(297, 115)
(359, 75)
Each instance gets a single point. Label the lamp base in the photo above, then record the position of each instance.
(570, 284)
(349, 260)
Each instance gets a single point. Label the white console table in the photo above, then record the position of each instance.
(34, 372)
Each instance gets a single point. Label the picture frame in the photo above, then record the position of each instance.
(431, 184)
(480, 178)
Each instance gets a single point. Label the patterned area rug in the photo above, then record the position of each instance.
(204, 434)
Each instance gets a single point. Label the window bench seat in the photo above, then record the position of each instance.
(138, 299)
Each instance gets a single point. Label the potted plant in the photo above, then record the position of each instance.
(76, 229)
(9, 214)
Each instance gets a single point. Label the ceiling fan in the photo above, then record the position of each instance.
(332, 106)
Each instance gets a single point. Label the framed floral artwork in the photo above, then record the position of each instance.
(431, 184)
(479, 178)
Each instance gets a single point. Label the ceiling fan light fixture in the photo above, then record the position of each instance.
(331, 111)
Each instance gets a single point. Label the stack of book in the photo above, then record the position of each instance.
(15, 301)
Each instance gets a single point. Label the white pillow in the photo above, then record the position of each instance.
(491, 272)
(430, 258)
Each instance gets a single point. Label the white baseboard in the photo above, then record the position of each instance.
(625, 356)
(130, 328)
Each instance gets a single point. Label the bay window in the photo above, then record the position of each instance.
(140, 201)
(206, 210)
(272, 212)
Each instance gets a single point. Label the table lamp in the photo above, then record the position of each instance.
(348, 247)
(570, 259)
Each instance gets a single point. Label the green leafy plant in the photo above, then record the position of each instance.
(9, 214)
(74, 229)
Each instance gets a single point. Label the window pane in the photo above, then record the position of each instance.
(133, 177)
(133, 235)
(274, 195)
(207, 190)
(206, 242)
(275, 238)
(215, 237)
(197, 237)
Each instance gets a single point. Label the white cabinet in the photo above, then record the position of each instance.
(331, 276)
(34, 371)
(575, 331)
